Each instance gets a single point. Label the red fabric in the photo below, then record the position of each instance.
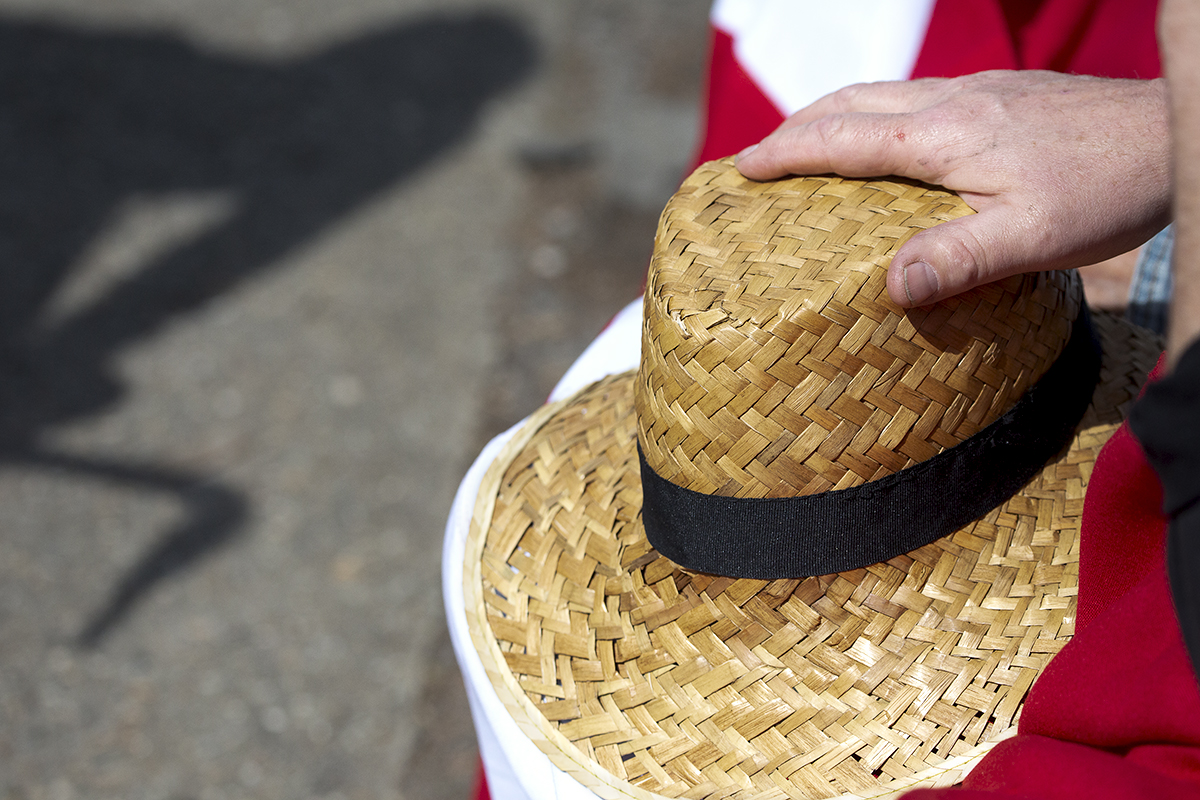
(1131, 546)
(1110, 38)
(737, 113)
(481, 787)
(980, 22)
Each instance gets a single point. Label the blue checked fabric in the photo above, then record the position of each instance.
(1150, 289)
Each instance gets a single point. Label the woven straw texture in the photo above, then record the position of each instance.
(644, 680)
(641, 679)
(780, 366)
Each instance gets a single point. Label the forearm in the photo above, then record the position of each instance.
(1179, 34)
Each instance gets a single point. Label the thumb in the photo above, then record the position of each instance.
(959, 255)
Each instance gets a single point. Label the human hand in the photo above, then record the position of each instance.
(1063, 170)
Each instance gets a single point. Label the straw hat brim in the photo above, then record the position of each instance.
(641, 679)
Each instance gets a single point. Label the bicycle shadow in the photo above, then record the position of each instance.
(89, 120)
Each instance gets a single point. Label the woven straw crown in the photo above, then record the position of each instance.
(777, 364)
(773, 363)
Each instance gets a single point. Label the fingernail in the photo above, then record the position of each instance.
(745, 153)
(920, 282)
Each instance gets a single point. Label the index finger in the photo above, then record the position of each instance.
(854, 145)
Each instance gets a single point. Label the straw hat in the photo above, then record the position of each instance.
(871, 514)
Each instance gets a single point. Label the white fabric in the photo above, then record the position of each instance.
(516, 769)
(845, 42)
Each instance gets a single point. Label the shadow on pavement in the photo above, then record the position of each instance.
(92, 119)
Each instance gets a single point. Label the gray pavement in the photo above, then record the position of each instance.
(271, 272)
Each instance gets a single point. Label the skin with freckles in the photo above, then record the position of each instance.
(1064, 170)
(1179, 38)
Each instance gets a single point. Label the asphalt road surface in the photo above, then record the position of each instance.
(271, 272)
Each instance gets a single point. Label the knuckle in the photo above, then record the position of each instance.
(963, 258)
(829, 132)
(849, 97)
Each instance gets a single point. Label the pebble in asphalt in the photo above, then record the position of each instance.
(274, 270)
